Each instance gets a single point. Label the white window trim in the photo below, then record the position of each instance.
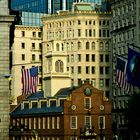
(75, 122)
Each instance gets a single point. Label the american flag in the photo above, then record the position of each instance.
(121, 76)
(29, 80)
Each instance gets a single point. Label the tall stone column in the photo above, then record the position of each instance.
(5, 22)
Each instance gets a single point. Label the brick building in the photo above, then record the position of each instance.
(73, 113)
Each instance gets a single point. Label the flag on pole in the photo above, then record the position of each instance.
(133, 69)
(121, 76)
(29, 80)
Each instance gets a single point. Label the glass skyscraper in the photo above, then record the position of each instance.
(46, 6)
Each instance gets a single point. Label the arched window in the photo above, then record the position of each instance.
(93, 45)
(57, 47)
(79, 45)
(87, 45)
(59, 66)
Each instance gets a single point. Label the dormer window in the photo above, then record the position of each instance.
(43, 104)
(26, 105)
(34, 104)
(52, 103)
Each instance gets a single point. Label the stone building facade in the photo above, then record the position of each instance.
(27, 53)
(83, 36)
(5, 22)
(125, 33)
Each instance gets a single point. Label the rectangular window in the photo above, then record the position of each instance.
(23, 45)
(93, 69)
(79, 32)
(73, 122)
(79, 69)
(88, 121)
(79, 82)
(87, 57)
(33, 46)
(33, 57)
(101, 58)
(93, 57)
(100, 33)
(107, 82)
(101, 122)
(87, 102)
(79, 57)
(23, 57)
(101, 70)
(106, 70)
(87, 69)
(90, 32)
(23, 33)
(107, 58)
(39, 34)
(34, 34)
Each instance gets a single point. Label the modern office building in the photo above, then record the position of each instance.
(46, 6)
(82, 36)
(125, 30)
(5, 23)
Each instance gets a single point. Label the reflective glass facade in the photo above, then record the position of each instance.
(45, 6)
(31, 19)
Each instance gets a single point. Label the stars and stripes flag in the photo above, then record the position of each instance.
(121, 76)
(30, 80)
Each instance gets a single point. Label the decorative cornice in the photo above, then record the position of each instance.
(21, 27)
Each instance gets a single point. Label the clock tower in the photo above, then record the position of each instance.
(5, 22)
(55, 74)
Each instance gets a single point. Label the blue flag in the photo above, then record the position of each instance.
(133, 68)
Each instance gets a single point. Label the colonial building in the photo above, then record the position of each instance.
(72, 114)
(27, 53)
(81, 37)
(124, 31)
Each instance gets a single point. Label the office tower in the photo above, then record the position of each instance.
(5, 22)
(83, 35)
(125, 31)
(46, 6)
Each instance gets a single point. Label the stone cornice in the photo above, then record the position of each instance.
(32, 28)
(7, 18)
